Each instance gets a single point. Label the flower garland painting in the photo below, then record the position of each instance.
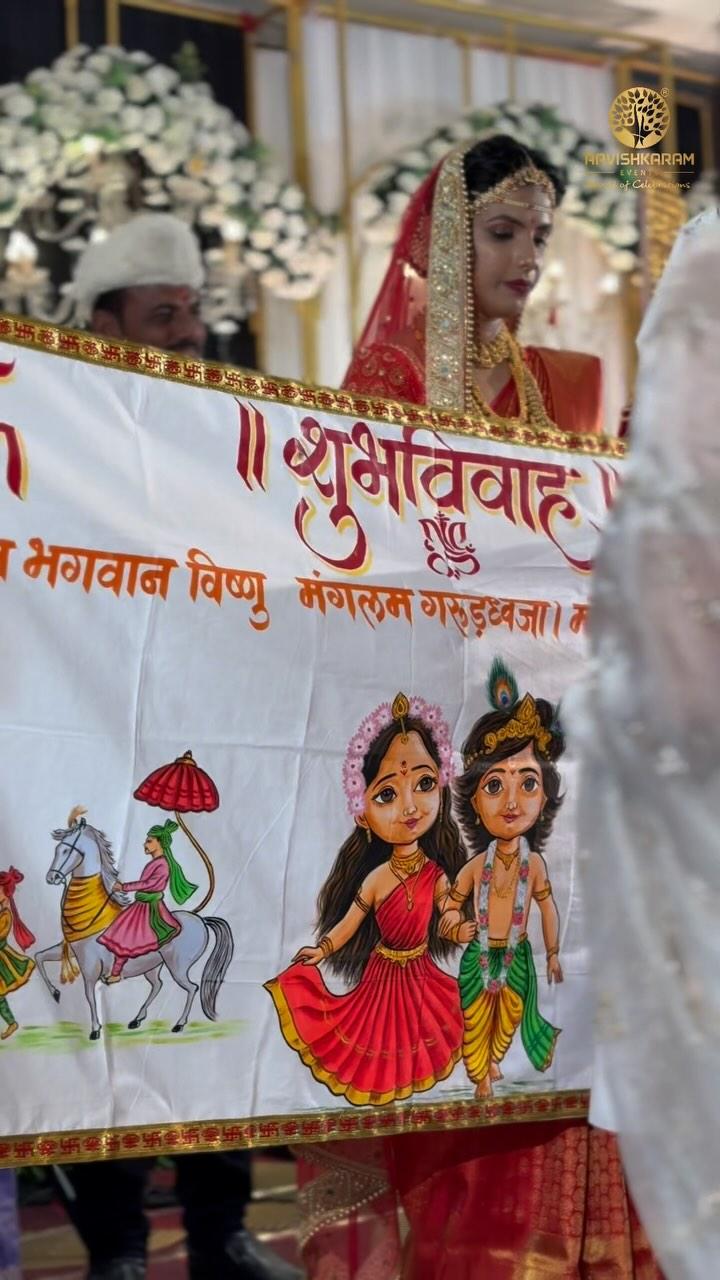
(195, 159)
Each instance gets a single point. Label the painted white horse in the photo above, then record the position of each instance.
(85, 866)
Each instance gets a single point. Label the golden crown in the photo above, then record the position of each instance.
(529, 176)
(526, 723)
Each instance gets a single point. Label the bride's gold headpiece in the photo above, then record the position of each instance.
(501, 193)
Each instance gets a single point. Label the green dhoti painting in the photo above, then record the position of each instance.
(492, 1016)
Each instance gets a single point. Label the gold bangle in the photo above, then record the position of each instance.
(359, 902)
(456, 896)
(554, 951)
(326, 946)
(455, 933)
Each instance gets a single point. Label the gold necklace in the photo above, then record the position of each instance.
(412, 867)
(509, 887)
(488, 355)
(409, 865)
(507, 859)
(532, 412)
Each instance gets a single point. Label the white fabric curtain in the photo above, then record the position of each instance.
(280, 340)
(398, 87)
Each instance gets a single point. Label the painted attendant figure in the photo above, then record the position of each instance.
(15, 968)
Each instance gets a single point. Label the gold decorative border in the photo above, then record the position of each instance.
(266, 1131)
(22, 332)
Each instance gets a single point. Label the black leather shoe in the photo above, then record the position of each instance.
(119, 1269)
(243, 1258)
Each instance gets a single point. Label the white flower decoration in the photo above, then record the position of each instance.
(273, 219)
(623, 234)
(86, 81)
(275, 278)
(153, 120)
(286, 250)
(213, 215)
(159, 159)
(262, 239)
(138, 89)
(219, 172)
(265, 192)
(256, 260)
(245, 170)
(161, 79)
(19, 105)
(131, 118)
(109, 100)
(100, 63)
(187, 190)
(399, 201)
(198, 160)
(409, 181)
(231, 193)
(296, 227)
(292, 199)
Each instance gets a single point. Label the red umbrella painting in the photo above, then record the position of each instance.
(183, 787)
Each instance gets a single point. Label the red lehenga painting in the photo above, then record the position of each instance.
(524, 1202)
(398, 1030)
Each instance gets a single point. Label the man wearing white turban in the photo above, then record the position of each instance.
(647, 724)
(142, 283)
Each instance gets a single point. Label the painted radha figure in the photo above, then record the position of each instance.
(147, 924)
(15, 967)
(399, 1029)
(507, 800)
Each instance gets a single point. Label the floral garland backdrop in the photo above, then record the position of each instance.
(605, 210)
(105, 131)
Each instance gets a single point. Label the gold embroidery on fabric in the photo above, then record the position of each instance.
(169, 367)
(449, 297)
(77, 1145)
(343, 1187)
(401, 957)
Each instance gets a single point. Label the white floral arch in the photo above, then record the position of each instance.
(103, 131)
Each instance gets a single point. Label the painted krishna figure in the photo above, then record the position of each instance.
(524, 1200)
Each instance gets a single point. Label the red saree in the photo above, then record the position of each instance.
(396, 1033)
(570, 382)
(521, 1201)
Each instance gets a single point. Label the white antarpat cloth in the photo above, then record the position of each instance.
(647, 723)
